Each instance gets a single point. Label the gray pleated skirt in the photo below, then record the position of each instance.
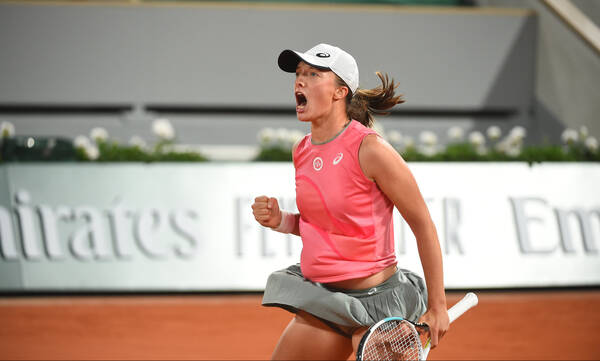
(402, 295)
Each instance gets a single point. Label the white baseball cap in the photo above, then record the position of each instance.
(323, 56)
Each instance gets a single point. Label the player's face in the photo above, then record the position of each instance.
(314, 90)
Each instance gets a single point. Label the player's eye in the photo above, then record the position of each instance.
(314, 74)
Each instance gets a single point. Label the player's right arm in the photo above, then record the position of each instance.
(266, 212)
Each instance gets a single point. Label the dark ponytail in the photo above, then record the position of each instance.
(365, 103)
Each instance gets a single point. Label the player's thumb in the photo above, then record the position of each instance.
(273, 204)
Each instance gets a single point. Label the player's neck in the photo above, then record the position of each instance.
(325, 129)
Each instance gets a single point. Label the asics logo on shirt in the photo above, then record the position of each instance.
(338, 159)
(318, 163)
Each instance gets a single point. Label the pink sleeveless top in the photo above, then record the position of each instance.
(345, 220)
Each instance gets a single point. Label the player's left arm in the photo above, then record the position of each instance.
(382, 164)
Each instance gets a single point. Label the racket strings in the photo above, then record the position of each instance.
(396, 340)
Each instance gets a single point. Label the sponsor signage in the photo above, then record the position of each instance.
(178, 227)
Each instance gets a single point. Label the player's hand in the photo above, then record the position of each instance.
(438, 323)
(266, 211)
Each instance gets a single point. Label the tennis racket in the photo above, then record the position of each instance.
(395, 338)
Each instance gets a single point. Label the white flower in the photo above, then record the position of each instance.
(266, 137)
(428, 138)
(99, 134)
(591, 144)
(429, 150)
(481, 149)
(286, 138)
(395, 137)
(81, 141)
(163, 129)
(7, 130)
(456, 134)
(137, 141)
(408, 141)
(518, 132)
(494, 132)
(281, 133)
(281, 137)
(510, 146)
(583, 132)
(476, 138)
(569, 136)
(91, 151)
(502, 146)
(514, 141)
(295, 136)
(513, 151)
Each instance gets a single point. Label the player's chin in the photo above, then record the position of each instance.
(302, 117)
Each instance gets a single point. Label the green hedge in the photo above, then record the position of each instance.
(578, 146)
(114, 152)
(276, 145)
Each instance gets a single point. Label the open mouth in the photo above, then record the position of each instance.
(300, 100)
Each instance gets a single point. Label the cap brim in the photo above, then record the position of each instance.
(288, 61)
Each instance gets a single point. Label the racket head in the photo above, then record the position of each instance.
(393, 338)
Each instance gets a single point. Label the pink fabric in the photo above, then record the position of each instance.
(345, 220)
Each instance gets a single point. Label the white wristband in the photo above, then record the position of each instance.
(287, 222)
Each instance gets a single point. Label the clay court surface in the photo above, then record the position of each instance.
(505, 325)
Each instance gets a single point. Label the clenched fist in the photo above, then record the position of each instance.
(266, 211)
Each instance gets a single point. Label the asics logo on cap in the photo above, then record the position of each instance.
(323, 55)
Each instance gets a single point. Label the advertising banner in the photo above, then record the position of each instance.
(189, 227)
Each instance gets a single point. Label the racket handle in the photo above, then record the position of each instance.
(455, 312)
(462, 306)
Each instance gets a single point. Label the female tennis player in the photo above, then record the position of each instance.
(348, 179)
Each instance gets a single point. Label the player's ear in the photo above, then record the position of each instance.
(341, 92)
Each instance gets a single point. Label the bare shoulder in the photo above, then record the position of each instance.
(373, 145)
(376, 156)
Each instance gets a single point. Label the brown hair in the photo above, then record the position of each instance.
(365, 103)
